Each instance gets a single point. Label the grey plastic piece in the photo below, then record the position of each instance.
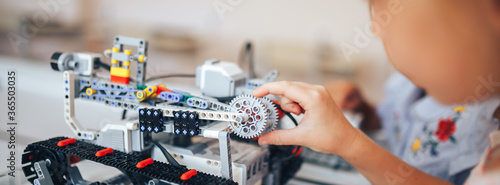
(117, 95)
(249, 162)
(137, 139)
(219, 79)
(81, 63)
(43, 174)
(225, 155)
(113, 139)
(142, 49)
(271, 76)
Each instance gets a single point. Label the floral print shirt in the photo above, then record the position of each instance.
(441, 140)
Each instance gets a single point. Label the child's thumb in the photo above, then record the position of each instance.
(280, 137)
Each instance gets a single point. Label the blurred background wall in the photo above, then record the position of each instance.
(303, 39)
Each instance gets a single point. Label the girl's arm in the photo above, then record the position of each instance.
(380, 166)
(325, 129)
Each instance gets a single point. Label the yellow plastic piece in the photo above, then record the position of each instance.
(141, 58)
(113, 61)
(150, 90)
(108, 51)
(120, 71)
(127, 52)
(141, 95)
(90, 91)
(126, 63)
(116, 50)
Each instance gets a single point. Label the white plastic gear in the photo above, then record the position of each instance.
(273, 114)
(258, 118)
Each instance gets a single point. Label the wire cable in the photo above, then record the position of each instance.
(167, 155)
(287, 114)
(297, 148)
(105, 66)
(171, 76)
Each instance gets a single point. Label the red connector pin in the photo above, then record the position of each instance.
(298, 152)
(187, 175)
(103, 152)
(74, 159)
(66, 142)
(144, 163)
(161, 88)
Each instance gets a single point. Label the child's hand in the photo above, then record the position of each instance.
(348, 97)
(323, 127)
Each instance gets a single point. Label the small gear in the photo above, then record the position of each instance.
(258, 116)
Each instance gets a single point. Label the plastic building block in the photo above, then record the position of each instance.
(81, 63)
(48, 149)
(222, 108)
(198, 102)
(120, 56)
(90, 91)
(219, 79)
(144, 163)
(120, 75)
(151, 120)
(188, 174)
(141, 95)
(66, 142)
(186, 123)
(103, 152)
(162, 88)
(170, 96)
(151, 92)
(121, 72)
(142, 58)
(261, 112)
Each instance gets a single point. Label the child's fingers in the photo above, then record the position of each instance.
(290, 106)
(280, 137)
(291, 90)
(293, 108)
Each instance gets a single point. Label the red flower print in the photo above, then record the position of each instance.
(446, 128)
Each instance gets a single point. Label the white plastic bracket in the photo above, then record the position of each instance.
(69, 108)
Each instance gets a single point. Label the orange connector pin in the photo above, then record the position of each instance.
(66, 142)
(144, 163)
(162, 88)
(103, 152)
(187, 175)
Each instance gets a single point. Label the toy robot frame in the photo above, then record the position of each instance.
(192, 134)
